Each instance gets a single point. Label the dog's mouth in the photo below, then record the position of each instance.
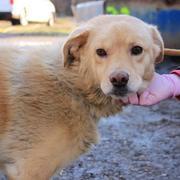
(118, 93)
(120, 96)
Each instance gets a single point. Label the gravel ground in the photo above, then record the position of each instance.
(139, 143)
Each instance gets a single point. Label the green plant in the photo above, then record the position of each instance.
(114, 11)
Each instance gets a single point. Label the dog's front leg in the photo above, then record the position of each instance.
(31, 170)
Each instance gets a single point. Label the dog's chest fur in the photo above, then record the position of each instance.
(49, 114)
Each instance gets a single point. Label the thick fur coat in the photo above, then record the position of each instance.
(50, 102)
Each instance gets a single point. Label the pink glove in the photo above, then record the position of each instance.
(161, 87)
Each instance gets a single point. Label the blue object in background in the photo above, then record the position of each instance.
(163, 14)
(167, 21)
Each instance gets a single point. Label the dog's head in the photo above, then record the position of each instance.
(116, 53)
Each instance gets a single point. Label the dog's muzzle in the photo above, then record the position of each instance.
(119, 81)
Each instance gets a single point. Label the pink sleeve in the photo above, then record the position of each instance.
(177, 72)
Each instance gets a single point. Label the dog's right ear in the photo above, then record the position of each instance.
(158, 44)
(74, 42)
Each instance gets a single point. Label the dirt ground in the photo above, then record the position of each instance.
(141, 143)
(61, 26)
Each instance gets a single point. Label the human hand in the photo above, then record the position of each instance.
(161, 87)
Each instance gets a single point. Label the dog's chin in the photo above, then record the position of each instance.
(120, 97)
(117, 98)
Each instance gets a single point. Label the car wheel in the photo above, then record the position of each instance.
(51, 19)
(23, 19)
(15, 21)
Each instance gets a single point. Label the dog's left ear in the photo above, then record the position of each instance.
(74, 42)
(158, 44)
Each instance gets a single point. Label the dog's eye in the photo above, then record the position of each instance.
(101, 52)
(136, 50)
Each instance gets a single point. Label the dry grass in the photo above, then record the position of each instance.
(62, 26)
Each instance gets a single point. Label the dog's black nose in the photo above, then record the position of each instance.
(119, 79)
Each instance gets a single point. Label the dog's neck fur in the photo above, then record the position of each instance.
(96, 103)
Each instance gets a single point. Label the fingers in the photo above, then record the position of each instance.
(147, 99)
(125, 100)
(133, 99)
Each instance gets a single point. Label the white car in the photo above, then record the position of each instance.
(30, 10)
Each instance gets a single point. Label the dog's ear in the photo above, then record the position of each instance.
(158, 44)
(74, 42)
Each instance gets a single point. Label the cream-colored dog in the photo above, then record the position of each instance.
(50, 105)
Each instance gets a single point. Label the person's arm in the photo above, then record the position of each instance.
(177, 72)
(161, 87)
